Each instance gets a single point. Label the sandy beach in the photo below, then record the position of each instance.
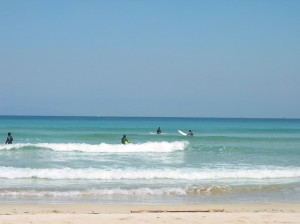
(122, 213)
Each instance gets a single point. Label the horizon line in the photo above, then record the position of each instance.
(131, 116)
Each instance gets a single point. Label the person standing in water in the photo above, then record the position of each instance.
(9, 139)
(158, 131)
(124, 140)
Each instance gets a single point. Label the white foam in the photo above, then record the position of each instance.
(104, 147)
(96, 192)
(118, 174)
(155, 133)
(14, 146)
(142, 191)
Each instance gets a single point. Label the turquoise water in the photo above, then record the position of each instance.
(80, 159)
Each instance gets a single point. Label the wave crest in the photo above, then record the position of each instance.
(104, 147)
(134, 174)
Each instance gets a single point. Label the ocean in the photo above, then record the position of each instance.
(82, 160)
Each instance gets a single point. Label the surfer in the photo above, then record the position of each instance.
(158, 131)
(9, 139)
(124, 140)
(190, 133)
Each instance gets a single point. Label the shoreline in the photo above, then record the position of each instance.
(122, 213)
(88, 208)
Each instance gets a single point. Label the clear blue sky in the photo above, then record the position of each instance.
(150, 58)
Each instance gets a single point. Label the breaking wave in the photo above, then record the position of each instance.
(103, 147)
(134, 174)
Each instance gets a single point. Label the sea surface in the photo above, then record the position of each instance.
(82, 160)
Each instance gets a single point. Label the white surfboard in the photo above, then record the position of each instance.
(181, 132)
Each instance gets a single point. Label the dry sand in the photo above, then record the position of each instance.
(121, 213)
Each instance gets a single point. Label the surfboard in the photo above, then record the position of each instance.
(181, 132)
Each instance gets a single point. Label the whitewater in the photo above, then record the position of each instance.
(103, 147)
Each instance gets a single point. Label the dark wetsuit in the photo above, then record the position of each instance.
(9, 140)
(124, 140)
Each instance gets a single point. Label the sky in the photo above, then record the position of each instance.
(161, 58)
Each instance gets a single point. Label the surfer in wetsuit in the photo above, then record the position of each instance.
(9, 139)
(124, 140)
(190, 133)
(158, 131)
